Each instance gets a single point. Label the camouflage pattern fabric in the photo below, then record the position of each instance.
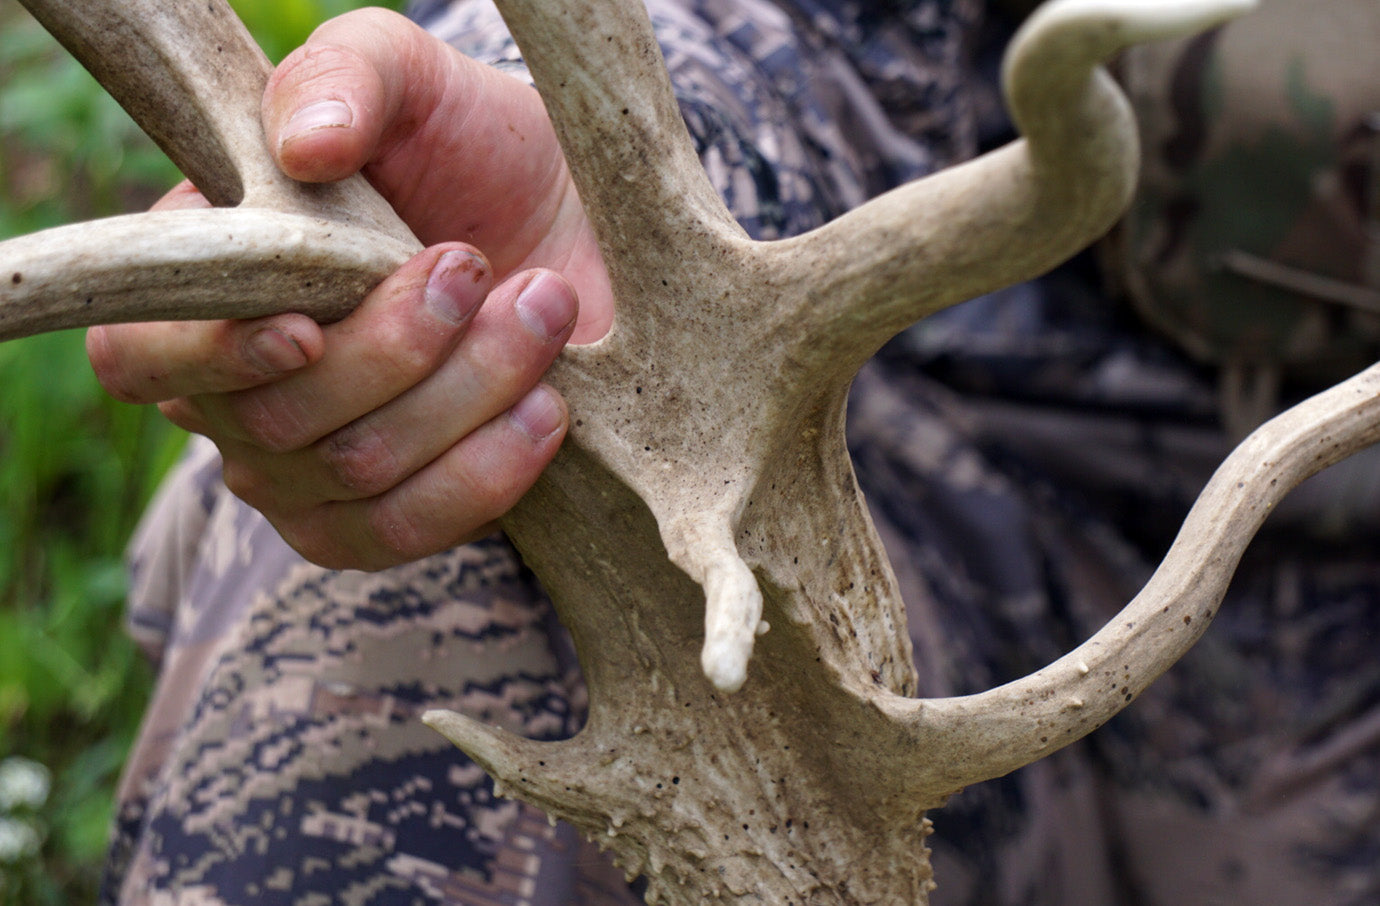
(283, 760)
(1028, 457)
(1238, 120)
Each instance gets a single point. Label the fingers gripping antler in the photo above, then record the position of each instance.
(192, 77)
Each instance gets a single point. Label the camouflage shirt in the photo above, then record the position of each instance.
(1028, 456)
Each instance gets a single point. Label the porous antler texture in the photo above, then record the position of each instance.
(793, 767)
(751, 733)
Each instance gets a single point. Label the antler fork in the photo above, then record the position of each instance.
(705, 495)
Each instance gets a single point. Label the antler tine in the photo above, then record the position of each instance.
(706, 462)
(600, 71)
(188, 73)
(1017, 211)
(188, 265)
(192, 77)
(992, 733)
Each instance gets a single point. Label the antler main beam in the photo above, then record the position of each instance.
(992, 733)
(791, 322)
(709, 432)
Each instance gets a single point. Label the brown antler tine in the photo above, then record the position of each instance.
(189, 74)
(192, 77)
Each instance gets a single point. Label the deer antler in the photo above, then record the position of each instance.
(705, 484)
(793, 321)
(710, 425)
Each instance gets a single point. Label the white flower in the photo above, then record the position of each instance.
(24, 784)
(18, 840)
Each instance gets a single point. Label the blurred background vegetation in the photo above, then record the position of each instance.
(76, 470)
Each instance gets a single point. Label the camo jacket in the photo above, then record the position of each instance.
(1027, 456)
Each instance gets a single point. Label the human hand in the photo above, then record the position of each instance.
(414, 423)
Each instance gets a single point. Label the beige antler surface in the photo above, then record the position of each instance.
(751, 733)
(192, 77)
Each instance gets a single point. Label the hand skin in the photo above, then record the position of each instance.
(413, 424)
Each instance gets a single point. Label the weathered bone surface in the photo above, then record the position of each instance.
(752, 735)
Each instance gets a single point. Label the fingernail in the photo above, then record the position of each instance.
(456, 285)
(539, 414)
(320, 115)
(546, 306)
(273, 352)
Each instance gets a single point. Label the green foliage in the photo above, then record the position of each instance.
(76, 468)
(281, 25)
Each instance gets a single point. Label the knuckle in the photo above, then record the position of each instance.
(404, 351)
(502, 471)
(360, 460)
(491, 383)
(316, 62)
(111, 369)
(314, 543)
(398, 536)
(505, 376)
(272, 428)
(183, 413)
(356, 29)
(368, 20)
(246, 482)
(502, 492)
(504, 368)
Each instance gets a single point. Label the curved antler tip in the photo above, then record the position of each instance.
(1142, 20)
(732, 622)
(456, 727)
(501, 752)
(491, 747)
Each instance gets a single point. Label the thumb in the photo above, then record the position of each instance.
(372, 91)
(328, 104)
